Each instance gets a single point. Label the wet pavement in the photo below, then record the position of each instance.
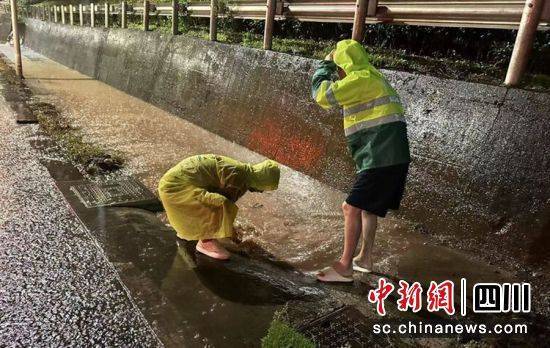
(300, 223)
(56, 286)
(190, 299)
(280, 234)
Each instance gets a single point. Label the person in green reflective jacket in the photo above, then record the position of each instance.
(376, 135)
(200, 192)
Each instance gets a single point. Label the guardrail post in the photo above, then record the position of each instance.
(81, 14)
(175, 8)
(269, 23)
(55, 14)
(146, 15)
(359, 20)
(92, 15)
(63, 14)
(371, 8)
(71, 14)
(524, 41)
(16, 42)
(213, 20)
(107, 15)
(123, 10)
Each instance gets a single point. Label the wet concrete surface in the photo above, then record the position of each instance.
(479, 152)
(298, 226)
(16, 94)
(56, 286)
(191, 300)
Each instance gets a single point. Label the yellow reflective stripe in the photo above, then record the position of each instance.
(325, 96)
(371, 104)
(373, 113)
(373, 123)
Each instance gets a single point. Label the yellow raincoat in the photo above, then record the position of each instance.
(200, 192)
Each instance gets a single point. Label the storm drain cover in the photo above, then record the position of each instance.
(343, 327)
(111, 193)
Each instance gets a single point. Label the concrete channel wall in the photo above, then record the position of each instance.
(477, 149)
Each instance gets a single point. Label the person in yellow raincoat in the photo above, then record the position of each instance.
(200, 192)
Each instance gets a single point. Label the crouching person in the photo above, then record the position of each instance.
(200, 192)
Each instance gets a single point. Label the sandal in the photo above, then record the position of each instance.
(218, 255)
(361, 269)
(329, 275)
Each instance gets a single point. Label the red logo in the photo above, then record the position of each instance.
(409, 296)
(380, 294)
(441, 296)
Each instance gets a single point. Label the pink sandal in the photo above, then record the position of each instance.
(213, 254)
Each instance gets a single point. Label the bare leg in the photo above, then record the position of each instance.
(352, 231)
(369, 222)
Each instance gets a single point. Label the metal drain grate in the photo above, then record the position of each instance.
(111, 193)
(343, 327)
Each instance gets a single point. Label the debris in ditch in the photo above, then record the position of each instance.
(102, 164)
(89, 157)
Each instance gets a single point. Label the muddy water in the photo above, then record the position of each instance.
(190, 299)
(300, 224)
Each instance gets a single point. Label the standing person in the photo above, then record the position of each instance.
(376, 134)
(200, 192)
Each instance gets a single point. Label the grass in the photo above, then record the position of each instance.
(92, 157)
(459, 69)
(70, 138)
(281, 335)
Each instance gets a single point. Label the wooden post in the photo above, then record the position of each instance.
(81, 14)
(175, 7)
(55, 14)
(92, 15)
(269, 21)
(107, 14)
(359, 20)
(16, 43)
(123, 6)
(213, 20)
(63, 14)
(71, 14)
(146, 15)
(524, 41)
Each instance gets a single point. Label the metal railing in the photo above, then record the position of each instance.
(504, 14)
(526, 15)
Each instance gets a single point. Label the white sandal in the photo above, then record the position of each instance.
(358, 268)
(329, 275)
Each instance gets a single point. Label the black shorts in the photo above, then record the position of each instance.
(379, 189)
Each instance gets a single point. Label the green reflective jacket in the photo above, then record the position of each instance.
(373, 116)
(200, 192)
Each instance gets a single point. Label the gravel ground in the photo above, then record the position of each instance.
(56, 286)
